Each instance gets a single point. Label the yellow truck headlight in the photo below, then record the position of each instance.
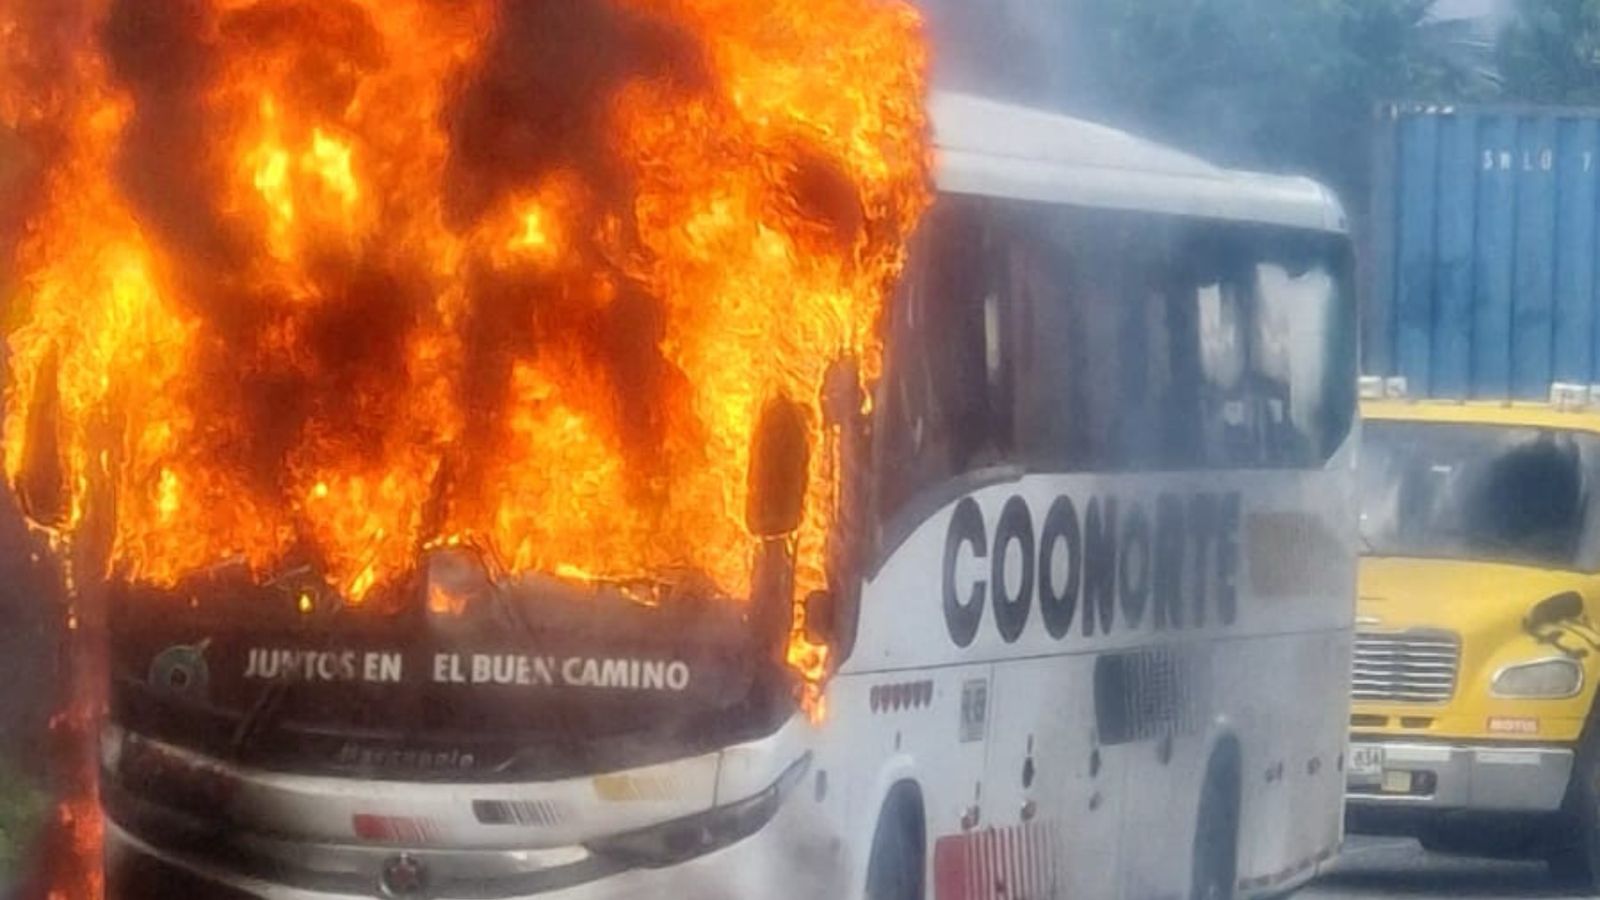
(1558, 677)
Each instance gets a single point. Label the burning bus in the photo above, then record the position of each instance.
(483, 436)
(429, 394)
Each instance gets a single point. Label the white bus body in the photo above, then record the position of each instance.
(1047, 755)
(1092, 613)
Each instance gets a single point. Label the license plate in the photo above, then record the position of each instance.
(1366, 760)
(1397, 781)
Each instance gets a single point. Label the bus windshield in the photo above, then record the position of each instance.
(1476, 492)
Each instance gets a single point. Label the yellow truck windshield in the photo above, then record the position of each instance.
(1479, 492)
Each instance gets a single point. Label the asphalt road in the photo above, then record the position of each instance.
(1375, 868)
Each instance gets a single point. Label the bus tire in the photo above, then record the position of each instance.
(1576, 863)
(895, 869)
(1216, 835)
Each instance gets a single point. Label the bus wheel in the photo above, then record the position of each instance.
(1216, 836)
(895, 871)
(1576, 862)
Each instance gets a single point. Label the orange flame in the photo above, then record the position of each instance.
(335, 280)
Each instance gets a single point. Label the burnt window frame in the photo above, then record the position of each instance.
(893, 518)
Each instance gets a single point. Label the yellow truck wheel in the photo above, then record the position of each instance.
(1576, 862)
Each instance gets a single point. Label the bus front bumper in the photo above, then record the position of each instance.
(1422, 776)
(774, 863)
(726, 825)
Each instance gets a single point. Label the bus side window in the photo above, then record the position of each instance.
(1064, 285)
(1274, 322)
(1091, 341)
(1303, 329)
(1159, 396)
(1230, 408)
(947, 392)
(1109, 380)
(1049, 398)
(1183, 418)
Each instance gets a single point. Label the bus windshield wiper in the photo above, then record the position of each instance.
(264, 712)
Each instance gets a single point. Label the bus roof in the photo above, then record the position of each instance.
(1520, 414)
(990, 148)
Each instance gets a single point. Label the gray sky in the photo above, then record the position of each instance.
(1471, 9)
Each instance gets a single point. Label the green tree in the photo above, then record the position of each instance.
(22, 809)
(1550, 53)
(1271, 83)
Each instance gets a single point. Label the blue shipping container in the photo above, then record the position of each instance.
(1484, 241)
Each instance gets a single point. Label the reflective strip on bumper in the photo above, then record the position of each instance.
(1507, 779)
(790, 853)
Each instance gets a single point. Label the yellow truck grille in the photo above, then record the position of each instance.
(1406, 667)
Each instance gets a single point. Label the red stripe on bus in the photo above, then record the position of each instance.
(952, 869)
(1024, 834)
(996, 865)
(1017, 863)
(393, 829)
(972, 866)
(1002, 873)
(991, 865)
(1047, 853)
(1013, 875)
(986, 886)
(1036, 857)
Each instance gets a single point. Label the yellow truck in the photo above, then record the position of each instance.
(1474, 724)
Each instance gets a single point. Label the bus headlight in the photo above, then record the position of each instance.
(1550, 678)
(683, 839)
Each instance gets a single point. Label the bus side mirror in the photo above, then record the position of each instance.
(821, 614)
(1563, 607)
(41, 486)
(780, 460)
